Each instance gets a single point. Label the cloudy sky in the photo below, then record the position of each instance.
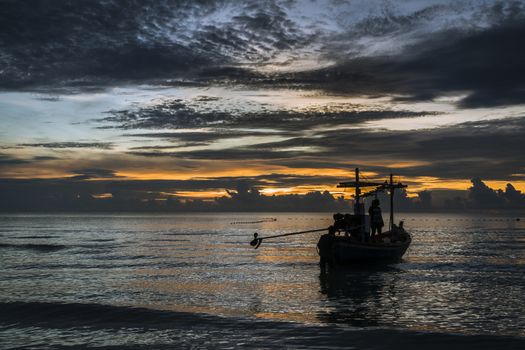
(287, 96)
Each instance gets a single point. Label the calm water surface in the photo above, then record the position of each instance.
(462, 274)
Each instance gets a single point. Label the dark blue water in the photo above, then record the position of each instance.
(193, 280)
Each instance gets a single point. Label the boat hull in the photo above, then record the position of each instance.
(347, 252)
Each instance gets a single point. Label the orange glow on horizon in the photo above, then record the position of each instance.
(240, 172)
(102, 195)
(412, 191)
(270, 187)
(201, 194)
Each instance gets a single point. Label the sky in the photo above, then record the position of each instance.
(176, 100)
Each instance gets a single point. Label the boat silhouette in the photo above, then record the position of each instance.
(348, 240)
(352, 242)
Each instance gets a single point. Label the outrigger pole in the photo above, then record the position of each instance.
(256, 242)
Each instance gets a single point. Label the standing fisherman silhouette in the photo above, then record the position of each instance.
(376, 219)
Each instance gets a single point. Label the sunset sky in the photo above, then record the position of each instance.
(285, 96)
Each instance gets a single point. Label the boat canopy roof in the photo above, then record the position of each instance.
(380, 185)
(360, 184)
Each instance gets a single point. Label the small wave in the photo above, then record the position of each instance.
(169, 240)
(229, 332)
(65, 315)
(102, 240)
(253, 222)
(46, 248)
(123, 257)
(191, 234)
(35, 237)
(108, 266)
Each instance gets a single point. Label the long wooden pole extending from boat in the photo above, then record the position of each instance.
(256, 242)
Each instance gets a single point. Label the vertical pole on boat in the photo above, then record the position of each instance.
(357, 208)
(391, 202)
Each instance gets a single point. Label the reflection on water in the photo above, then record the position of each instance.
(361, 297)
(462, 274)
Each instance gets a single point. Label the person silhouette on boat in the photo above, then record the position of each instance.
(376, 219)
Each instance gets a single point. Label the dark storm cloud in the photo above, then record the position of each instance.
(48, 98)
(178, 114)
(460, 151)
(158, 149)
(388, 24)
(84, 44)
(257, 34)
(419, 23)
(88, 42)
(41, 158)
(9, 160)
(190, 139)
(487, 65)
(6, 159)
(464, 151)
(244, 153)
(195, 138)
(93, 173)
(98, 145)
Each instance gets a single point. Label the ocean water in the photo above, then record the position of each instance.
(193, 280)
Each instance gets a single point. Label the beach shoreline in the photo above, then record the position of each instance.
(130, 328)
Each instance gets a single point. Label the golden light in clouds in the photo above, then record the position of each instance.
(418, 184)
(519, 185)
(237, 169)
(171, 169)
(102, 195)
(201, 194)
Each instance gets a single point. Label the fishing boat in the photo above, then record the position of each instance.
(352, 242)
(348, 240)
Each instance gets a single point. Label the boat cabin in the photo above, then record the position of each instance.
(358, 223)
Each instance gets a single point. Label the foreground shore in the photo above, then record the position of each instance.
(51, 325)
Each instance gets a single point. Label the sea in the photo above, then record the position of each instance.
(192, 281)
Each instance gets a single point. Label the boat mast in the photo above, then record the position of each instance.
(391, 202)
(357, 209)
(379, 186)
